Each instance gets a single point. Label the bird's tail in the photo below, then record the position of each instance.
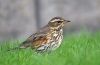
(21, 46)
(16, 47)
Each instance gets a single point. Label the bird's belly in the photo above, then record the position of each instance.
(50, 46)
(56, 44)
(52, 43)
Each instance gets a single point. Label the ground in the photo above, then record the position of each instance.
(77, 49)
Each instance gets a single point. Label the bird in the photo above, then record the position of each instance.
(47, 39)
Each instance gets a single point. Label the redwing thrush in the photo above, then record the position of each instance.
(47, 38)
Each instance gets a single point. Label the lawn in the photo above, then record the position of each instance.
(78, 49)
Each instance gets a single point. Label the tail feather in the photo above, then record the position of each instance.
(13, 48)
(21, 46)
(17, 47)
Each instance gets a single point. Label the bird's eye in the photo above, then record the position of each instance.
(58, 21)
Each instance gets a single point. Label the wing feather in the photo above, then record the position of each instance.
(38, 35)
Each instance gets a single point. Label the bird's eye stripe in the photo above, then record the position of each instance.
(55, 20)
(58, 21)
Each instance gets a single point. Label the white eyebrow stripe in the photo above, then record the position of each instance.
(55, 20)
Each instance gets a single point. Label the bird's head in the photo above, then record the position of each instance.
(57, 22)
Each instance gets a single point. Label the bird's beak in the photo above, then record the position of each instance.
(66, 21)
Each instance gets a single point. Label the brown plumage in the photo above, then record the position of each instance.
(47, 38)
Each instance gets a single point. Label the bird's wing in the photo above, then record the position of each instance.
(37, 36)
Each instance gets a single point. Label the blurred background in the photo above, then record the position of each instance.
(21, 18)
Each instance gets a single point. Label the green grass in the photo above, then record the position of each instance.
(79, 49)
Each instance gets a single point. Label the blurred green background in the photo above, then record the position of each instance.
(21, 18)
